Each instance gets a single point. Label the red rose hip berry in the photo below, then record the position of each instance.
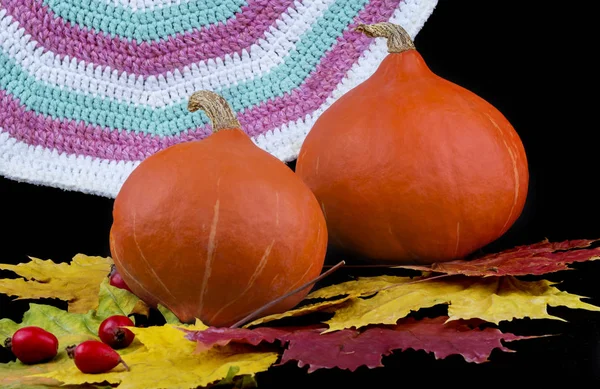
(112, 333)
(32, 345)
(116, 280)
(94, 357)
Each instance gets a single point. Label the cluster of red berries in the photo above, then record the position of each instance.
(33, 344)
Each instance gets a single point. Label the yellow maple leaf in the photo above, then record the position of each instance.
(362, 286)
(168, 360)
(497, 299)
(350, 289)
(77, 282)
(18, 374)
(304, 310)
(492, 299)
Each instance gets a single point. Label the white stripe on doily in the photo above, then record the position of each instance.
(161, 91)
(22, 162)
(37, 165)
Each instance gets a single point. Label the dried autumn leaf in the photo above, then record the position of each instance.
(166, 346)
(350, 289)
(350, 349)
(19, 376)
(366, 286)
(491, 299)
(304, 310)
(536, 259)
(222, 336)
(16, 374)
(76, 282)
(40, 386)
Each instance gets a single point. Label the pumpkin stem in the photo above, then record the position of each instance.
(398, 40)
(216, 108)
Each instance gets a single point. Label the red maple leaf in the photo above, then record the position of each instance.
(535, 259)
(350, 349)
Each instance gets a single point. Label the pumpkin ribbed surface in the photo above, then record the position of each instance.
(410, 167)
(215, 229)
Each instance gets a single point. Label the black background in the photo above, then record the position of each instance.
(533, 61)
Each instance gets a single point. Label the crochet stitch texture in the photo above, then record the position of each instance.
(89, 88)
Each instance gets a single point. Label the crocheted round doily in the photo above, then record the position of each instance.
(89, 88)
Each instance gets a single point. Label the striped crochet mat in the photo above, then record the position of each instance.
(89, 88)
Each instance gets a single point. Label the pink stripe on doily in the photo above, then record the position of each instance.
(78, 138)
(146, 58)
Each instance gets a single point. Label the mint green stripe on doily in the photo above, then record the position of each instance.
(173, 119)
(147, 25)
(300, 62)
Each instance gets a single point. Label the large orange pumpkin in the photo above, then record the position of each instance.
(215, 229)
(411, 168)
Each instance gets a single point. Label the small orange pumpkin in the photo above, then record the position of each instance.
(410, 167)
(215, 229)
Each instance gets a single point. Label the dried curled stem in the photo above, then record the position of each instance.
(216, 108)
(398, 40)
(257, 313)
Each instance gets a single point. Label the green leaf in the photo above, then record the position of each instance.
(7, 328)
(232, 380)
(115, 301)
(71, 328)
(246, 382)
(168, 315)
(228, 380)
(68, 327)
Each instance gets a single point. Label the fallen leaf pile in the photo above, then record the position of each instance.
(356, 323)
